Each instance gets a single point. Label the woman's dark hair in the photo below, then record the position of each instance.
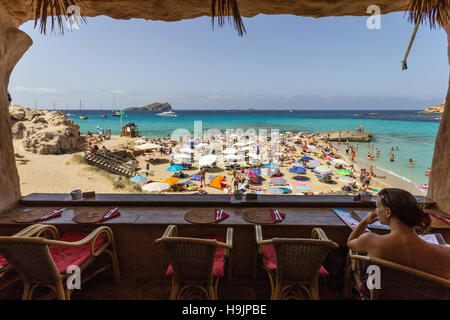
(405, 207)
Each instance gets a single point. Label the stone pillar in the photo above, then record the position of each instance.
(439, 186)
(13, 44)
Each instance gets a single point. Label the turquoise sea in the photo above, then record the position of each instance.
(412, 132)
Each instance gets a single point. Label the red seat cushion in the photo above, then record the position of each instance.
(66, 256)
(270, 258)
(3, 262)
(219, 262)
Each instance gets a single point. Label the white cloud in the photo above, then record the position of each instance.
(35, 90)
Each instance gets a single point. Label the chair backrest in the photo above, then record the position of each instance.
(401, 282)
(300, 259)
(191, 258)
(31, 258)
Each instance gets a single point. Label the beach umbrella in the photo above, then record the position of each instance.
(306, 158)
(250, 142)
(156, 187)
(140, 141)
(201, 145)
(149, 146)
(214, 146)
(229, 151)
(217, 182)
(340, 161)
(342, 172)
(239, 144)
(172, 180)
(270, 165)
(254, 156)
(301, 178)
(323, 170)
(232, 157)
(313, 164)
(298, 170)
(181, 156)
(275, 190)
(247, 148)
(297, 164)
(138, 179)
(174, 168)
(347, 179)
(278, 181)
(255, 171)
(207, 160)
(187, 150)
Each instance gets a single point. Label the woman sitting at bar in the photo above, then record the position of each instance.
(401, 212)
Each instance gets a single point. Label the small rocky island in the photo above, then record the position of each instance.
(353, 136)
(438, 109)
(157, 106)
(44, 132)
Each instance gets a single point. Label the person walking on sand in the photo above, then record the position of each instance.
(202, 177)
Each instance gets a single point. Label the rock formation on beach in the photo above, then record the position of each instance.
(157, 106)
(353, 136)
(44, 132)
(435, 109)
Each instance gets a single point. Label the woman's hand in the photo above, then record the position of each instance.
(370, 218)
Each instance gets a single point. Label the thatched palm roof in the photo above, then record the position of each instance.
(433, 11)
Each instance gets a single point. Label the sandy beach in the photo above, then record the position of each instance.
(64, 173)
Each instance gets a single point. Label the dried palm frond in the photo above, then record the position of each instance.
(224, 9)
(56, 9)
(435, 11)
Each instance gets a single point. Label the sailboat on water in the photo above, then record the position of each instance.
(83, 115)
(115, 113)
(103, 115)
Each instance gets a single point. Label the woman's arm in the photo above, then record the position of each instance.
(360, 240)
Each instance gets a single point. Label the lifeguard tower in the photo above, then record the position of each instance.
(130, 130)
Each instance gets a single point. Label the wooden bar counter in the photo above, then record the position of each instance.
(144, 218)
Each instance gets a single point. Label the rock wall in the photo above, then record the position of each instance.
(44, 132)
(13, 44)
(439, 186)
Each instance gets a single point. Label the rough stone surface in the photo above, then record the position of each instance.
(352, 136)
(435, 109)
(44, 132)
(13, 44)
(439, 186)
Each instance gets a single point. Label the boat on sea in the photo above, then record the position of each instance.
(170, 113)
(103, 115)
(116, 113)
(83, 115)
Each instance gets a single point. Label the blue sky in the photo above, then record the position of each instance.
(283, 62)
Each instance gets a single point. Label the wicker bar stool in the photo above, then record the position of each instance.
(196, 263)
(44, 262)
(400, 282)
(294, 265)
